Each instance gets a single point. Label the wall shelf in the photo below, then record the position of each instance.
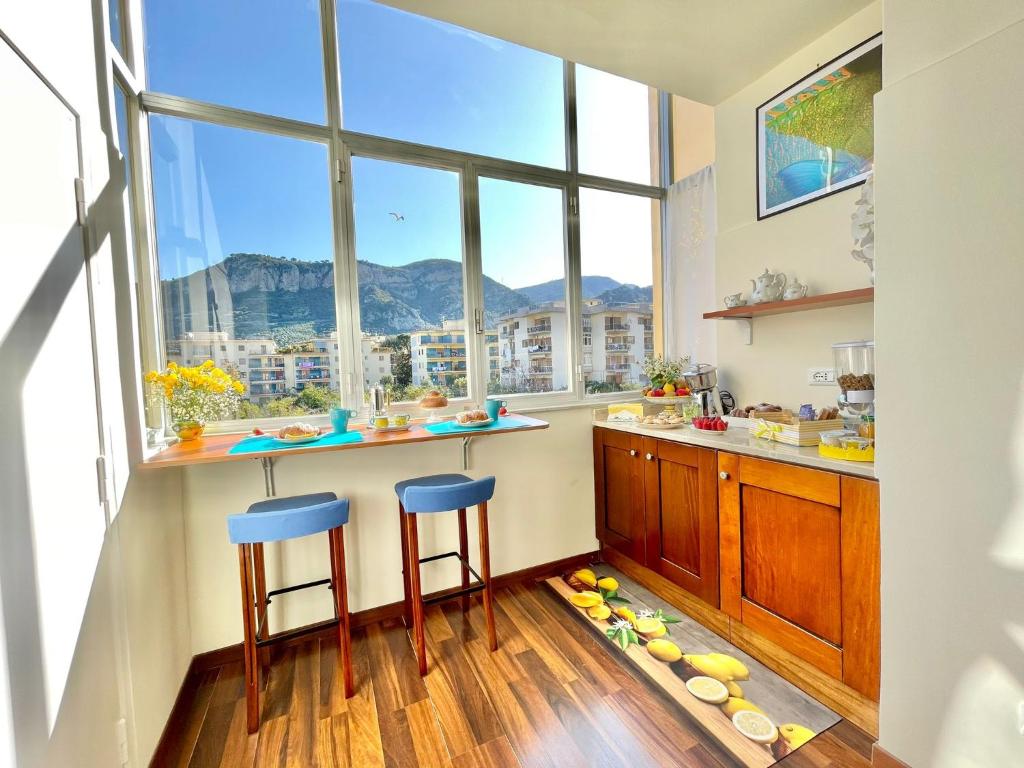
(747, 313)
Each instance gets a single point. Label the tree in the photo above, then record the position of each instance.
(401, 358)
(316, 399)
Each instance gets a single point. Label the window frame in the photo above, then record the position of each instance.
(342, 146)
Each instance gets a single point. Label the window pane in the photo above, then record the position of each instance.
(438, 84)
(618, 127)
(117, 26)
(121, 116)
(618, 238)
(523, 247)
(408, 227)
(262, 55)
(244, 240)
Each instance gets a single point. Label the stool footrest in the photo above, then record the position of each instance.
(458, 557)
(296, 587)
(285, 591)
(479, 586)
(293, 633)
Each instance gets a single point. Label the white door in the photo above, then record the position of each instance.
(51, 522)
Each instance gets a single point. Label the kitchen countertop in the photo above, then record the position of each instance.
(738, 440)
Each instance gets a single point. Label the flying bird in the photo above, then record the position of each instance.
(398, 217)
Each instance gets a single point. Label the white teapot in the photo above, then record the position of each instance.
(795, 290)
(767, 287)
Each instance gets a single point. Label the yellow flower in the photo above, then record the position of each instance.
(171, 366)
(239, 387)
(207, 364)
(151, 377)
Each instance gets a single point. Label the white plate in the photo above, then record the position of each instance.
(298, 440)
(472, 424)
(708, 431)
(662, 426)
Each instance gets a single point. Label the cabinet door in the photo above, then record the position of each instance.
(799, 551)
(681, 491)
(619, 491)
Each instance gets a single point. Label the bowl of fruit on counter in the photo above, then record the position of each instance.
(710, 425)
(670, 395)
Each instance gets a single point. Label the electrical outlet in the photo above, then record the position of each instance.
(821, 376)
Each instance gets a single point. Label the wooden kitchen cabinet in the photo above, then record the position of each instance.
(619, 491)
(800, 563)
(657, 503)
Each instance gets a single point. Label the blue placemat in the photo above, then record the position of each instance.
(268, 443)
(452, 427)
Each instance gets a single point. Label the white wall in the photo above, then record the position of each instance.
(543, 510)
(951, 269)
(114, 643)
(812, 243)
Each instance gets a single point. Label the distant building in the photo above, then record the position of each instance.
(616, 340)
(267, 371)
(439, 354)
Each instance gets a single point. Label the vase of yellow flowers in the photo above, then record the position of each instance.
(195, 396)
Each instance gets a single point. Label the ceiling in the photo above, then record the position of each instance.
(705, 50)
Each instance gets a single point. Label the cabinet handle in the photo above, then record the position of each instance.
(632, 451)
(649, 457)
(724, 475)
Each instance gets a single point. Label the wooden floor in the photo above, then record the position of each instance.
(552, 695)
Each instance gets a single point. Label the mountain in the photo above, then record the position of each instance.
(554, 290)
(626, 294)
(252, 295)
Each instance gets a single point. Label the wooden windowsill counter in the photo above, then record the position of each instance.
(211, 449)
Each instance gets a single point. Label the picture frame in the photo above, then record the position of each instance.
(816, 137)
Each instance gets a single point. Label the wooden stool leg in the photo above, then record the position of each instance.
(252, 667)
(485, 573)
(412, 564)
(464, 554)
(405, 565)
(340, 582)
(260, 573)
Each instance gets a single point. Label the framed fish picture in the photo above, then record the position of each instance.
(817, 137)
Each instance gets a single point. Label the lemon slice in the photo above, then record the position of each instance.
(755, 726)
(707, 689)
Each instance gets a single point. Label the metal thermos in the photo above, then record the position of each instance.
(702, 379)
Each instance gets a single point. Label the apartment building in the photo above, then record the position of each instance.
(269, 371)
(439, 354)
(534, 349)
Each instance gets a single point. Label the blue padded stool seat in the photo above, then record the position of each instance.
(443, 493)
(289, 517)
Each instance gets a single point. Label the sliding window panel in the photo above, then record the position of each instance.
(523, 253)
(262, 55)
(409, 77)
(409, 249)
(617, 123)
(620, 258)
(246, 261)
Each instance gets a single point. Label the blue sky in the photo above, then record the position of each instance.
(404, 77)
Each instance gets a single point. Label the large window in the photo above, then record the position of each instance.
(409, 77)
(435, 227)
(617, 234)
(243, 225)
(412, 315)
(523, 245)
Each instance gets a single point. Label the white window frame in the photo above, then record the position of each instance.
(342, 146)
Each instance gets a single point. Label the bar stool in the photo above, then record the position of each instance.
(443, 493)
(276, 520)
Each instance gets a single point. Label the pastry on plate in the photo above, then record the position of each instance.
(433, 399)
(472, 417)
(297, 430)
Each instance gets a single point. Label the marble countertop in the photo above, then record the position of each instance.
(737, 439)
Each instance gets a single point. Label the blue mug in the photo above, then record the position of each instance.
(493, 406)
(340, 417)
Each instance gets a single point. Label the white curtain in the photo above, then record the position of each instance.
(688, 271)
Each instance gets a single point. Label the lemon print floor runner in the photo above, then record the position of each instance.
(755, 715)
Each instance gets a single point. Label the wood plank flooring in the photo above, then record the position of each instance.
(552, 696)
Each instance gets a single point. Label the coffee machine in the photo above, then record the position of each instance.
(702, 380)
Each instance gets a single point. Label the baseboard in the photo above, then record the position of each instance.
(882, 759)
(839, 697)
(207, 660)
